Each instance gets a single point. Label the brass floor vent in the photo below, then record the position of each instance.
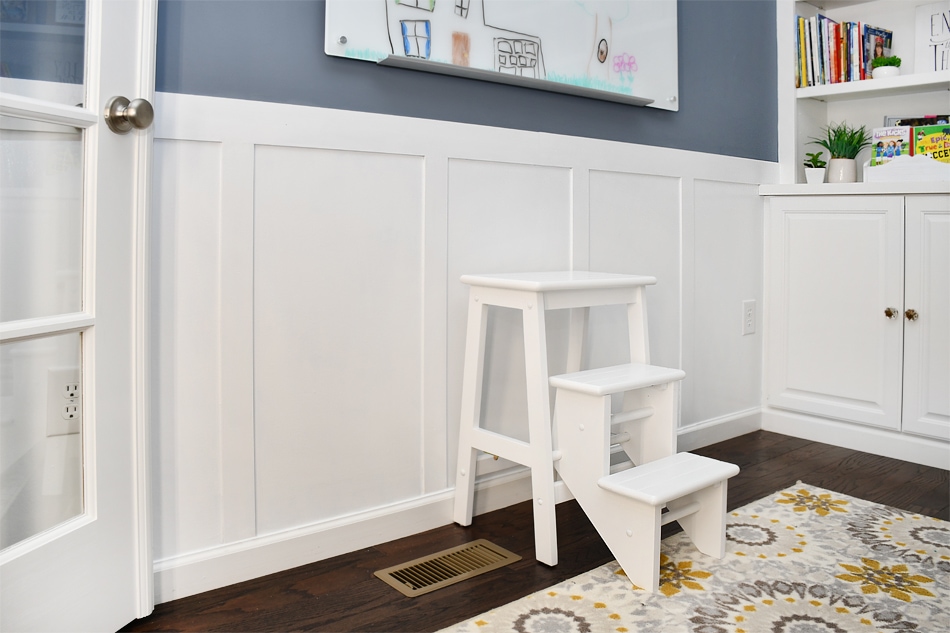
(446, 568)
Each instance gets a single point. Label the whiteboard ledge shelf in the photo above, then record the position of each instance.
(856, 188)
(425, 65)
(903, 84)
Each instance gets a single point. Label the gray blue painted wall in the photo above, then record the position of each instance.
(272, 50)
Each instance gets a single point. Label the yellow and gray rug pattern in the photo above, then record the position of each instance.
(801, 560)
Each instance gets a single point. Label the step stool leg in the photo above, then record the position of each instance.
(539, 430)
(472, 375)
(637, 548)
(637, 328)
(706, 528)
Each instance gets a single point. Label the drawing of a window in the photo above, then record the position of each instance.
(461, 8)
(517, 57)
(416, 38)
(426, 5)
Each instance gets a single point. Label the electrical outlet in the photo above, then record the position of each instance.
(748, 317)
(63, 401)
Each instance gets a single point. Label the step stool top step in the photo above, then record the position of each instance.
(557, 280)
(617, 378)
(659, 482)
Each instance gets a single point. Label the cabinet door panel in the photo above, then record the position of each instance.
(835, 265)
(927, 340)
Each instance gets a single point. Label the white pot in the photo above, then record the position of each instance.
(814, 175)
(842, 170)
(885, 71)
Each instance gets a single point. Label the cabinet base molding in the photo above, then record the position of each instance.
(910, 448)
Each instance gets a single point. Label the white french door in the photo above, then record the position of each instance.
(73, 519)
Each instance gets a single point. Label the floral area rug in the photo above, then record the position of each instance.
(800, 560)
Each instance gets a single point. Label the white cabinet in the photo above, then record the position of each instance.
(839, 344)
(926, 408)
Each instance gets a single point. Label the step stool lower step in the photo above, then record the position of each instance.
(659, 482)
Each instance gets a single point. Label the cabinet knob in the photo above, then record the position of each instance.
(911, 315)
(891, 313)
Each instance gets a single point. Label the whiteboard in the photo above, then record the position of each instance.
(625, 47)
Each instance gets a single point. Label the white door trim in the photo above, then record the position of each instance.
(143, 192)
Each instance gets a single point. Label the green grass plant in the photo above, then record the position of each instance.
(843, 141)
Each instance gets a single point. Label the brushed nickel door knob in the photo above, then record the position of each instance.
(122, 115)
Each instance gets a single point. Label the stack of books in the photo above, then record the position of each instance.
(831, 52)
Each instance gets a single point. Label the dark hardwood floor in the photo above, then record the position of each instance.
(341, 594)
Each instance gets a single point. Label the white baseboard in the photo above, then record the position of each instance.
(718, 429)
(216, 567)
(858, 437)
(497, 488)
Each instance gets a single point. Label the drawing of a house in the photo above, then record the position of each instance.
(456, 31)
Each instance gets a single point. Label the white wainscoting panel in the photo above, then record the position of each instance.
(723, 367)
(502, 217)
(309, 319)
(635, 228)
(186, 433)
(337, 333)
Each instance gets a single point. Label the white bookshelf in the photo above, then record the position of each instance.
(804, 112)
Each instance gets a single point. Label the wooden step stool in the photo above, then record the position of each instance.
(626, 507)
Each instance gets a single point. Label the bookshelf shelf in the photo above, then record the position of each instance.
(902, 85)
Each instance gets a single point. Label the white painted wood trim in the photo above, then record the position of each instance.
(189, 574)
(40, 110)
(144, 577)
(11, 331)
(858, 437)
(718, 429)
(436, 416)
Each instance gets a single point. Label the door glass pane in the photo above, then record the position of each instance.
(42, 44)
(40, 439)
(40, 219)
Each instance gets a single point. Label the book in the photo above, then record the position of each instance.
(933, 141)
(917, 121)
(877, 43)
(888, 143)
(932, 37)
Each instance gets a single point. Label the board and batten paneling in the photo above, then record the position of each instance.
(308, 318)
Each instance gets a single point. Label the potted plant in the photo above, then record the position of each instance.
(843, 143)
(814, 168)
(885, 67)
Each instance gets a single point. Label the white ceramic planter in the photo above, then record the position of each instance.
(814, 175)
(842, 170)
(885, 71)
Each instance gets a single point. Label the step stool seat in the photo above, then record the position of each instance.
(617, 379)
(658, 482)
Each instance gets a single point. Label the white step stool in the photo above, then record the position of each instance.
(626, 507)
(533, 293)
